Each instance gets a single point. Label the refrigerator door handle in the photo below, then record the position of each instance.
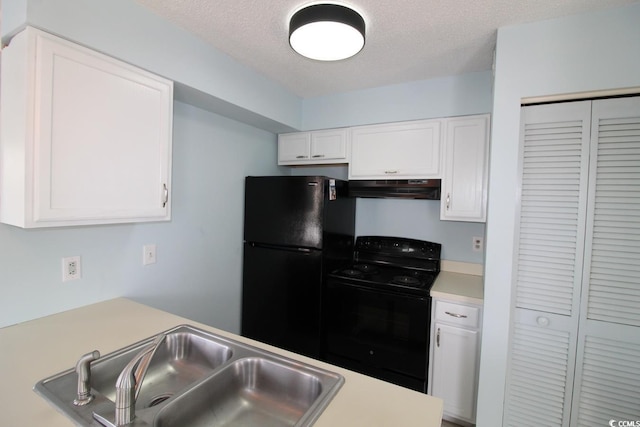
(280, 248)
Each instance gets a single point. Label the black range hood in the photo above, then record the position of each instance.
(396, 188)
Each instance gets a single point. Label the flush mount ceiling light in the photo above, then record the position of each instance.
(326, 32)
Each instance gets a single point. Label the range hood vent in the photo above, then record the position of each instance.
(396, 188)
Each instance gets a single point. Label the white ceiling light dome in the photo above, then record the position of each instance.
(327, 32)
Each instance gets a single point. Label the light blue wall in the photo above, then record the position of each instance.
(419, 219)
(575, 54)
(442, 97)
(199, 262)
(127, 31)
(198, 272)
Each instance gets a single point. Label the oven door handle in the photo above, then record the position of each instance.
(338, 283)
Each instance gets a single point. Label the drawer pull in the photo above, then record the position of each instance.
(390, 172)
(301, 157)
(317, 156)
(456, 315)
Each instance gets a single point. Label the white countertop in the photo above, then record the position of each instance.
(464, 288)
(36, 349)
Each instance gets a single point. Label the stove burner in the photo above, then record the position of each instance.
(366, 268)
(350, 272)
(405, 280)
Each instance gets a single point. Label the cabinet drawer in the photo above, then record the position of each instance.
(456, 314)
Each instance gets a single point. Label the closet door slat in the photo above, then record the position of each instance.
(609, 382)
(614, 263)
(554, 153)
(539, 369)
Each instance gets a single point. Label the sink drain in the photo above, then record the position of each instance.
(158, 399)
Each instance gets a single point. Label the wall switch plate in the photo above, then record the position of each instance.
(148, 254)
(71, 268)
(478, 244)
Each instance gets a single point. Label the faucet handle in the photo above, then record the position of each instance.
(83, 369)
(142, 366)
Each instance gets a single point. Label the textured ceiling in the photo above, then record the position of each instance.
(407, 40)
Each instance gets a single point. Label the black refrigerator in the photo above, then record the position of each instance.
(296, 230)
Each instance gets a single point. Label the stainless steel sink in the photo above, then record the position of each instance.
(197, 378)
(183, 358)
(250, 392)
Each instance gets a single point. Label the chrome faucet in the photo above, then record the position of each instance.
(130, 381)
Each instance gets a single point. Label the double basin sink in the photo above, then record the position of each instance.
(196, 378)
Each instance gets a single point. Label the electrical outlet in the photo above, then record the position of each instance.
(148, 254)
(71, 268)
(477, 244)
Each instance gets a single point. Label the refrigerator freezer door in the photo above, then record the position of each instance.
(281, 297)
(285, 210)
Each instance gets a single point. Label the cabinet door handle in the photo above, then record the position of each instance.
(301, 157)
(315, 156)
(438, 338)
(448, 200)
(390, 172)
(166, 195)
(456, 315)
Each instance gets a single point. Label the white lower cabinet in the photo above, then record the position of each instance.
(85, 139)
(454, 357)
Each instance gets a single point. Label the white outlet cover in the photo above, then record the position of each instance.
(478, 244)
(148, 254)
(71, 268)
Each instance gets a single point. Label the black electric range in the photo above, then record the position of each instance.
(377, 310)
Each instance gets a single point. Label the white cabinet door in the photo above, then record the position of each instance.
(455, 369)
(329, 145)
(409, 150)
(294, 148)
(86, 139)
(464, 180)
(316, 147)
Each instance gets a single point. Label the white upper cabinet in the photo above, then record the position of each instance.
(408, 150)
(85, 138)
(316, 147)
(454, 149)
(294, 148)
(464, 180)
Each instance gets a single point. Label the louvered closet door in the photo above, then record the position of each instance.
(554, 144)
(608, 373)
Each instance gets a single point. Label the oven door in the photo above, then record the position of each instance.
(380, 333)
